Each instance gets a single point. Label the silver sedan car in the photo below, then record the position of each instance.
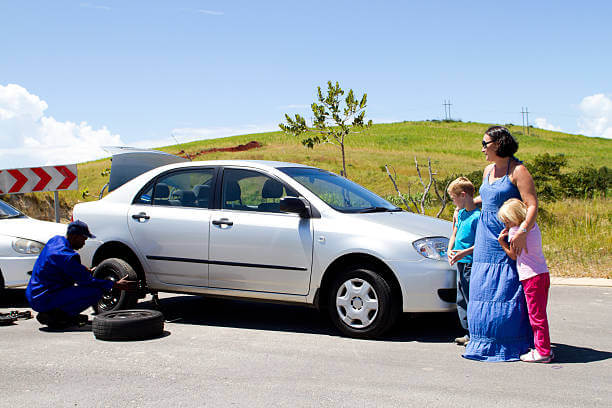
(273, 231)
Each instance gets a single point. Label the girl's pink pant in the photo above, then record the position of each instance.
(536, 294)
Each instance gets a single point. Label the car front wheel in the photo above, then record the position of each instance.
(360, 303)
(114, 269)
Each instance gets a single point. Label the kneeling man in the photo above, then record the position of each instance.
(61, 287)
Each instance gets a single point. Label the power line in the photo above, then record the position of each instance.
(447, 109)
(525, 114)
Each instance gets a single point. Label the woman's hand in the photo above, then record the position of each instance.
(519, 242)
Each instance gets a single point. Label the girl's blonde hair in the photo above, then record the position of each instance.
(513, 210)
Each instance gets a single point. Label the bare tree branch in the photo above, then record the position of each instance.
(395, 185)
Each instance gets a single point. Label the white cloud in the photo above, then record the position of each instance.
(543, 123)
(29, 138)
(189, 134)
(211, 12)
(596, 116)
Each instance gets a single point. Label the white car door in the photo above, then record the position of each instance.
(253, 246)
(169, 223)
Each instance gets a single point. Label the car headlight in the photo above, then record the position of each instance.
(27, 246)
(432, 248)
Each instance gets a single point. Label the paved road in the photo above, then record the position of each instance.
(233, 353)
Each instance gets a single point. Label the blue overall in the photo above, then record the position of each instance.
(59, 281)
(497, 311)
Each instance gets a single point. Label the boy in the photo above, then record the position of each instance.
(461, 245)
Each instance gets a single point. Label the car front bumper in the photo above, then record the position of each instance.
(427, 285)
(16, 270)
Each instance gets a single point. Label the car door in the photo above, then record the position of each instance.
(169, 222)
(254, 246)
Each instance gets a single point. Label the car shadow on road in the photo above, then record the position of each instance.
(567, 354)
(198, 310)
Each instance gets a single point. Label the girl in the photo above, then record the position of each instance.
(533, 274)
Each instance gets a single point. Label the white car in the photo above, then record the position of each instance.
(21, 240)
(270, 230)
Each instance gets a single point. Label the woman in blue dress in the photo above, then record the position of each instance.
(497, 312)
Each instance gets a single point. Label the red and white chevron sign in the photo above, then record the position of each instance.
(48, 178)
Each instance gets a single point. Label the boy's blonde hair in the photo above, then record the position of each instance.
(461, 184)
(513, 210)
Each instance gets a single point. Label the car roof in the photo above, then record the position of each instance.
(248, 163)
(128, 163)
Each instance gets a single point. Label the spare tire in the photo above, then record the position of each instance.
(114, 269)
(134, 324)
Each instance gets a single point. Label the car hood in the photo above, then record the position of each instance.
(416, 225)
(31, 228)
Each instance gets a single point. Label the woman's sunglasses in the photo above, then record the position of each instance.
(485, 144)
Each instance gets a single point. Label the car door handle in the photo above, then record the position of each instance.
(222, 221)
(140, 216)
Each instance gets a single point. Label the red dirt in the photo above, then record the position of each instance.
(239, 148)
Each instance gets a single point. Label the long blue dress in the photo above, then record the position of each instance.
(497, 311)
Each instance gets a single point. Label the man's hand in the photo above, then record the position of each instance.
(126, 285)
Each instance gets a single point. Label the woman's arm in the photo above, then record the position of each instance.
(524, 183)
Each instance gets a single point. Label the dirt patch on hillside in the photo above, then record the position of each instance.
(239, 148)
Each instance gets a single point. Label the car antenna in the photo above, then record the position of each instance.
(177, 142)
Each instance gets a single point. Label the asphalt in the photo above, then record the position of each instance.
(233, 353)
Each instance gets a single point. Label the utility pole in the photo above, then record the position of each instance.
(447, 105)
(525, 114)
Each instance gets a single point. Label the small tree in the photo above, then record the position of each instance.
(332, 123)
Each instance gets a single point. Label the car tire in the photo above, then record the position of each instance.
(133, 324)
(115, 299)
(360, 303)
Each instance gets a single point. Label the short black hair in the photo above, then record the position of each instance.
(507, 144)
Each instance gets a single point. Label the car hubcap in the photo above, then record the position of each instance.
(357, 303)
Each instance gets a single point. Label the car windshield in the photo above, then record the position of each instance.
(339, 193)
(6, 211)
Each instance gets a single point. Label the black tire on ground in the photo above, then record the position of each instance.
(115, 269)
(369, 287)
(134, 324)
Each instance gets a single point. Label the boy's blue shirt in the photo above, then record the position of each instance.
(466, 231)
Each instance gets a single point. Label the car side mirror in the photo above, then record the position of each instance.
(296, 205)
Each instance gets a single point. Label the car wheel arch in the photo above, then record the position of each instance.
(116, 249)
(361, 260)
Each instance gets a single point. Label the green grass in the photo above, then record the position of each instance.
(575, 244)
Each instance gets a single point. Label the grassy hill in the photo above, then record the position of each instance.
(576, 232)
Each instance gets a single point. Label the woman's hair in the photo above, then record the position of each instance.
(461, 184)
(513, 210)
(507, 144)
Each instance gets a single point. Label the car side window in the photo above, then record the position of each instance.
(145, 197)
(248, 190)
(190, 188)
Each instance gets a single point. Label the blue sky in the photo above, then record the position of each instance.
(75, 75)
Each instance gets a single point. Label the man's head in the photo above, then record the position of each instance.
(77, 234)
(461, 190)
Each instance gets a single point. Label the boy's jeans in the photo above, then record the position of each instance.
(463, 291)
